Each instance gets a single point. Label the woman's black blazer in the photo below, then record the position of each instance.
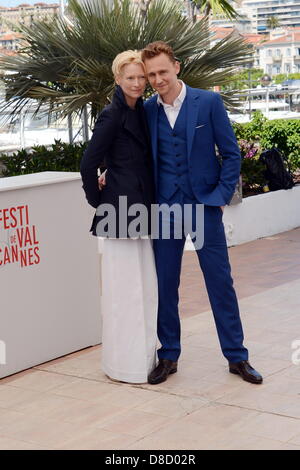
(120, 143)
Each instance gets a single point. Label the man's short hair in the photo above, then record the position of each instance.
(156, 48)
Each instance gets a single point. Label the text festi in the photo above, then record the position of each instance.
(18, 241)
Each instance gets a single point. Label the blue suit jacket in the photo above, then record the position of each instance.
(207, 126)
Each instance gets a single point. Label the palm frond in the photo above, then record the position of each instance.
(66, 64)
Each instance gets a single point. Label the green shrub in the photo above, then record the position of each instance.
(252, 169)
(59, 156)
(285, 136)
(280, 133)
(293, 144)
(281, 77)
(253, 174)
(251, 130)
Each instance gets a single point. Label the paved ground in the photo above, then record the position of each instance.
(70, 404)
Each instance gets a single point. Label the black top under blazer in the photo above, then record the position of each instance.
(120, 143)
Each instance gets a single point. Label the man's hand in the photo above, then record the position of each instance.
(222, 208)
(101, 180)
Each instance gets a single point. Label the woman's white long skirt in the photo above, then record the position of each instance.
(129, 309)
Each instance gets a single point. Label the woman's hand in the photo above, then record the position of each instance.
(101, 180)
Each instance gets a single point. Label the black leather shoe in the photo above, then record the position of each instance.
(161, 372)
(247, 372)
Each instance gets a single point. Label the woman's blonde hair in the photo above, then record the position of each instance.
(125, 58)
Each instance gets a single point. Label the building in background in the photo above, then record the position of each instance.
(281, 54)
(254, 40)
(260, 12)
(242, 23)
(11, 18)
(275, 53)
(10, 41)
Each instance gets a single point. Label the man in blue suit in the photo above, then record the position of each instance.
(185, 125)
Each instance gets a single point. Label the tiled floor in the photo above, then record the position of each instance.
(70, 404)
(256, 266)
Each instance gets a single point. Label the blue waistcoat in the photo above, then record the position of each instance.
(172, 155)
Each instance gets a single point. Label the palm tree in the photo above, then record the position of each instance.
(216, 7)
(273, 22)
(66, 65)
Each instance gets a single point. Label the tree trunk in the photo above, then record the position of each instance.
(193, 15)
(143, 6)
(207, 9)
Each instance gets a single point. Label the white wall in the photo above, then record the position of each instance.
(51, 308)
(261, 216)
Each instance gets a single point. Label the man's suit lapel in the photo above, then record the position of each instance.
(192, 114)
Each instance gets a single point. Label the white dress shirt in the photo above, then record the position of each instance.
(172, 110)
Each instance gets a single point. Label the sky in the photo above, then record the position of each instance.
(13, 3)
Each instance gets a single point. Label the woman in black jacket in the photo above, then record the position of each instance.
(121, 144)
